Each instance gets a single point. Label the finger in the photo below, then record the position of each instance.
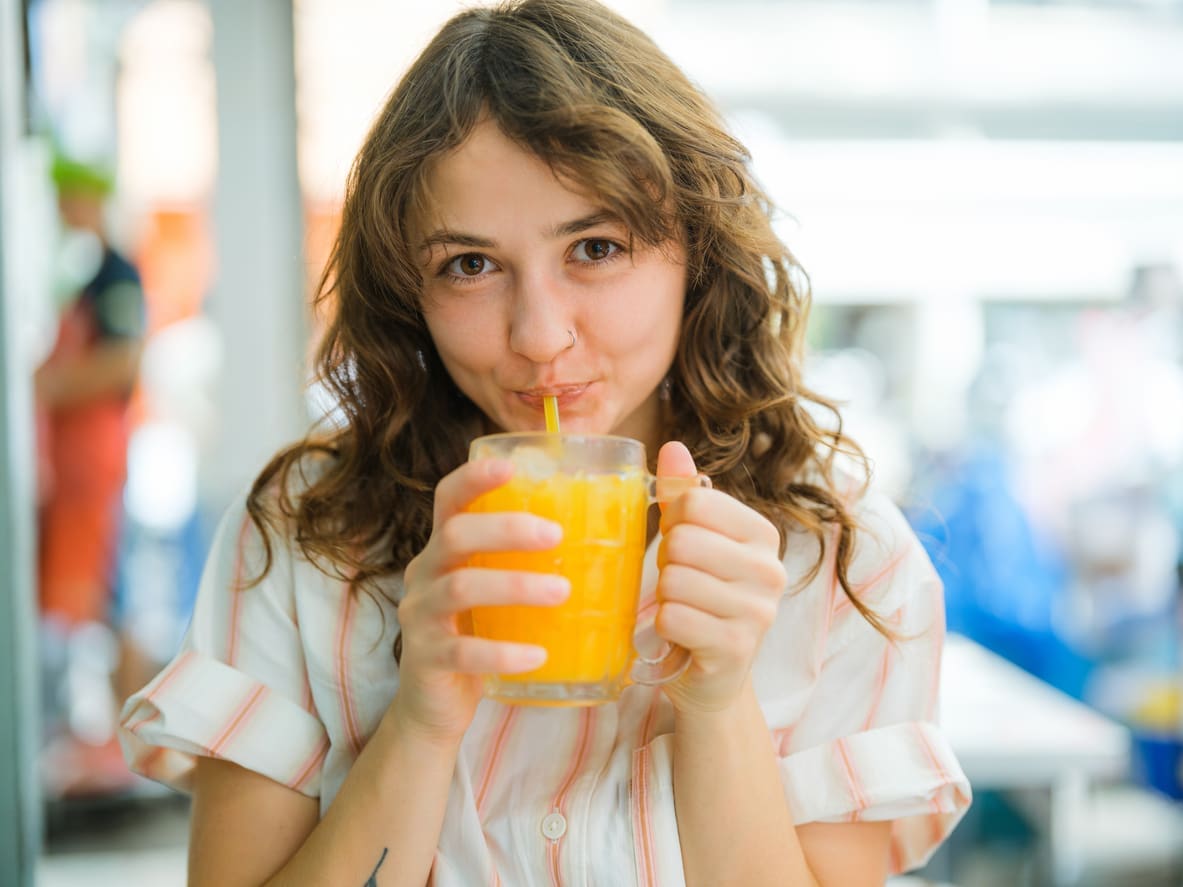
(717, 555)
(464, 589)
(723, 600)
(465, 534)
(704, 549)
(674, 460)
(461, 487)
(706, 636)
(472, 655)
(724, 514)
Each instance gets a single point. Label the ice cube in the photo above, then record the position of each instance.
(534, 463)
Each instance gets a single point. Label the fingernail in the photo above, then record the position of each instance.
(558, 588)
(533, 657)
(499, 468)
(549, 533)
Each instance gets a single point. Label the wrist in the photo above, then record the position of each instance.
(726, 717)
(400, 726)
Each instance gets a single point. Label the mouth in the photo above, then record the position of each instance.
(564, 394)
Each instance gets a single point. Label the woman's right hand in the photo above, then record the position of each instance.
(441, 667)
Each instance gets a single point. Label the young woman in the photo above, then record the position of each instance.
(546, 206)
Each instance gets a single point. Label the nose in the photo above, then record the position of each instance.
(540, 320)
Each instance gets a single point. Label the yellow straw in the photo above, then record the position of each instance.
(550, 406)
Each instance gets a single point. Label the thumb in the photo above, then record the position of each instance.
(674, 460)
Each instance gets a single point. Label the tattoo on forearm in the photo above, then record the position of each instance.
(373, 882)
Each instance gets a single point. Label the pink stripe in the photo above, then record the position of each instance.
(167, 678)
(146, 762)
(560, 801)
(858, 795)
(933, 761)
(503, 727)
(348, 708)
(938, 643)
(781, 737)
(831, 568)
(936, 829)
(308, 768)
(236, 594)
(306, 700)
(650, 718)
(860, 589)
(238, 720)
(507, 718)
(642, 826)
(880, 686)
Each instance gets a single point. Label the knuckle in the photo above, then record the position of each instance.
(773, 575)
(463, 657)
(502, 660)
(520, 524)
(735, 639)
(523, 529)
(666, 620)
(457, 590)
(522, 588)
(765, 613)
(678, 544)
(696, 504)
(450, 535)
(672, 576)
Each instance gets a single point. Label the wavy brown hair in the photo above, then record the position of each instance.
(594, 97)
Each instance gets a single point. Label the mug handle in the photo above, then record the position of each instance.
(670, 664)
(673, 660)
(663, 490)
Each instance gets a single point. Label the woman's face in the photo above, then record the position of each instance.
(514, 261)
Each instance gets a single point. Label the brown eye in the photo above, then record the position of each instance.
(471, 264)
(595, 250)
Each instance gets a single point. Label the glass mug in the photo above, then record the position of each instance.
(599, 489)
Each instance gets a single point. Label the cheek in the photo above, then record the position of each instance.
(457, 337)
(648, 315)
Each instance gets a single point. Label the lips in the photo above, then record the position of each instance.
(565, 394)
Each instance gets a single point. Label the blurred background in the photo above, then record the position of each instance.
(987, 198)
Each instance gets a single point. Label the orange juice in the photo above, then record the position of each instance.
(589, 636)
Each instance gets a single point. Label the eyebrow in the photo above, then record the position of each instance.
(563, 229)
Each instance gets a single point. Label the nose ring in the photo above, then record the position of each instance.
(571, 333)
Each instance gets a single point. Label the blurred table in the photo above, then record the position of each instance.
(1011, 730)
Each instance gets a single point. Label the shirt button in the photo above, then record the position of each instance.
(554, 826)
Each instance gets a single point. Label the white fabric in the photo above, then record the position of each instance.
(290, 677)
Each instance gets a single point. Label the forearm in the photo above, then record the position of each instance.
(733, 819)
(386, 819)
(108, 370)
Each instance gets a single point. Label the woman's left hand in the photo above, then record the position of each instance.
(719, 588)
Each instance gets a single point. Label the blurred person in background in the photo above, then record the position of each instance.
(82, 391)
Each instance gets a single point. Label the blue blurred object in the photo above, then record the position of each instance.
(1158, 762)
(1002, 585)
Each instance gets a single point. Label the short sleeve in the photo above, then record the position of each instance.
(866, 744)
(238, 688)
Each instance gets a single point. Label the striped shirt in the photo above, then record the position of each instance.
(290, 678)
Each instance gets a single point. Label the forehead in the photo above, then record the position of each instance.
(490, 179)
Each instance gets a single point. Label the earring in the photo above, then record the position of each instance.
(663, 390)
